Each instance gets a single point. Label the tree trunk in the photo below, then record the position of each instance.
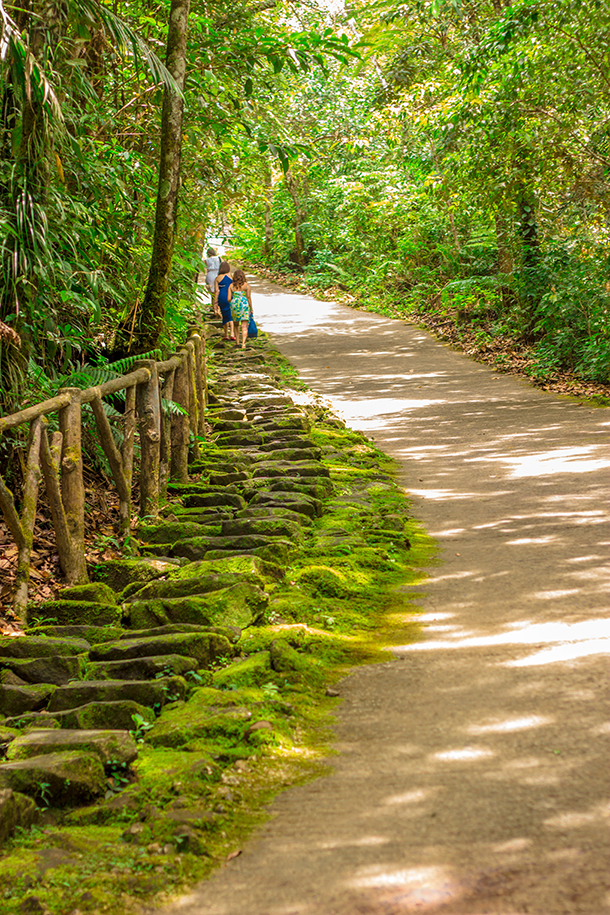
(299, 217)
(153, 307)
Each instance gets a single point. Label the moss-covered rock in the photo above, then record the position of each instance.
(170, 531)
(15, 700)
(118, 573)
(240, 605)
(269, 527)
(104, 715)
(209, 713)
(69, 612)
(57, 670)
(187, 587)
(219, 499)
(284, 658)
(325, 581)
(109, 746)
(41, 647)
(318, 487)
(232, 633)
(90, 634)
(302, 503)
(205, 647)
(141, 668)
(198, 547)
(273, 512)
(16, 810)
(248, 567)
(149, 693)
(96, 591)
(68, 778)
(252, 671)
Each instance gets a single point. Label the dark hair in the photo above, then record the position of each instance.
(225, 267)
(239, 278)
(212, 252)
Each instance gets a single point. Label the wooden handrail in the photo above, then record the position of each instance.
(57, 459)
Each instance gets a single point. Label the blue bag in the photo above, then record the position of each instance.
(252, 328)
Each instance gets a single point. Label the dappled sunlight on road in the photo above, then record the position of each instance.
(472, 774)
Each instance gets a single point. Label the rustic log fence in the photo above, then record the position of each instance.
(165, 441)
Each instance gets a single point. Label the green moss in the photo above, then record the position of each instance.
(251, 671)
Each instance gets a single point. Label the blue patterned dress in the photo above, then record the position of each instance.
(240, 308)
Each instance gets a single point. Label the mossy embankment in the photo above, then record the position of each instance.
(329, 583)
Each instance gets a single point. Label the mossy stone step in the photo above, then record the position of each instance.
(15, 700)
(232, 633)
(170, 531)
(206, 516)
(41, 647)
(240, 439)
(96, 591)
(69, 778)
(274, 512)
(209, 713)
(56, 669)
(288, 454)
(318, 487)
(144, 692)
(268, 527)
(302, 503)
(244, 564)
(203, 499)
(66, 612)
(90, 634)
(16, 810)
(93, 716)
(199, 547)
(226, 479)
(274, 468)
(296, 442)
(205, 647)
(240, 605)
(109, 746)
(142, 668)
(118, 573)
(188, 587)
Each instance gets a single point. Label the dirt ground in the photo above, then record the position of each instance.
(473, 773)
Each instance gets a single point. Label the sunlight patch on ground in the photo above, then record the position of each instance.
(410, 797)
(600, 813)
(464, 754)
(563, 460)
(510, 724)
(570, 640)
(413, 889)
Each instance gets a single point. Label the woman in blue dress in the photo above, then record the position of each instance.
(221, 299)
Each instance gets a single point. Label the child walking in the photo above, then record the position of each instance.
(240, 297)
(221, 299)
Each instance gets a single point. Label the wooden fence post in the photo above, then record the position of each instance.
(166, 436)
(72, 485)
(22, 528)
(149, 423)
(115, 460)
(180, 422)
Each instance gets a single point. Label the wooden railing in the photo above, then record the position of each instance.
(165, 439)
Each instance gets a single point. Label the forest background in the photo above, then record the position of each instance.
(433, 158)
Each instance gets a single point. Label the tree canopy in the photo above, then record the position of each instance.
(434, 155)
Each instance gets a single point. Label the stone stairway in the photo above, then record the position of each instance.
(98, 666)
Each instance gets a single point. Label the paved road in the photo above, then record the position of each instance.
(474, 773)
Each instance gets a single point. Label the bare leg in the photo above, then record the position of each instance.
(244, 333)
